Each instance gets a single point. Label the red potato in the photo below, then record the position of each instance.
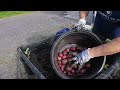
(88, 65)
(62, 67)
(78, 69)
(69, 74)
(82, 71)
(59, 58)
(80, 74)
(69, 63)
(72, 48)
(68, 69)
(65, 72)
(73, 71)
(67, 49)
(64, 57)
(64, 61)
(60, 55)
(69, 56)
(75, 67)
(59, 62)
(65, 52)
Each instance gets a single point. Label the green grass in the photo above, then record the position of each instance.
(4, 14)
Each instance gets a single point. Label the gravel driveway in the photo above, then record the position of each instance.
(26, 29)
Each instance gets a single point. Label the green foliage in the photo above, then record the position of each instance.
(4, 14)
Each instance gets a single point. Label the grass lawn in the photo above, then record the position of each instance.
(4, 14)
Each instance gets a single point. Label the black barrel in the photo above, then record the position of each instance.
(83, 38)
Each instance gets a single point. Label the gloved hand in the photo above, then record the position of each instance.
(82, 58)
(87, 27)
(82, 24)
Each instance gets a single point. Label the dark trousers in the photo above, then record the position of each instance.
(105, 29)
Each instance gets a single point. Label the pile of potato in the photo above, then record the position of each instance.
(65, 62)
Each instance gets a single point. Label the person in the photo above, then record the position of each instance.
(106, 25)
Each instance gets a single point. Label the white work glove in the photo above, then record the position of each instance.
(82, 24)
(87, 27)
(82, 58)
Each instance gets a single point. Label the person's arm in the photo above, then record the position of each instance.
(109, 48)
(82, 21)
(84, 14)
